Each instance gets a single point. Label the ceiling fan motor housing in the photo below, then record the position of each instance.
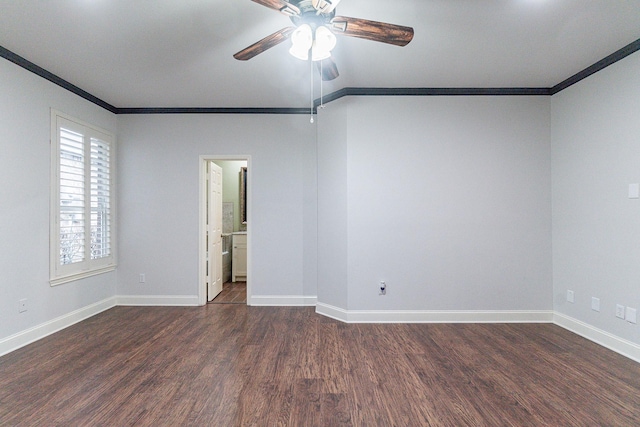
(310, 15)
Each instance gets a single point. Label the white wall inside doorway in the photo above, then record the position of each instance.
(231, 189)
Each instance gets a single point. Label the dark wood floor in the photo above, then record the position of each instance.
(233, 365)
(232, 293)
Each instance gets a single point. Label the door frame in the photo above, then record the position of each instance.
(202, 241)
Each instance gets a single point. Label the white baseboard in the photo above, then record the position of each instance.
(158, 300)
(22, 338)
(283, 300)
(410, 316)
(605, 339)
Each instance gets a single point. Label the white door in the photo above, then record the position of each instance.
(214, 232)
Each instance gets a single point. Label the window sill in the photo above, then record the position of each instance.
(77, 276)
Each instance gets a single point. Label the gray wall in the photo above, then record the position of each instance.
(25, 130)
(159, 200)
(447, 199)
(332, 205)
(596, 227)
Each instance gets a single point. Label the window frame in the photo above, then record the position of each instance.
(63, 273)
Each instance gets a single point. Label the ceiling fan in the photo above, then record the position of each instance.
(316, 25)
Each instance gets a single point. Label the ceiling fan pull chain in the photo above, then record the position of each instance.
(311, 88)
(321, 88)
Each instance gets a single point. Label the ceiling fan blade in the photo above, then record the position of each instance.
(328, 70)
(264, 44)
(397, 35)
(281, 6)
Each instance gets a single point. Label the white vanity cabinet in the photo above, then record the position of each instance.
(239, 257)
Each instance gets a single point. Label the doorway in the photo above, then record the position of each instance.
(229, 261)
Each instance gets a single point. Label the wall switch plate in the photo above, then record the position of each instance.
(570, 297)
(620, 311)
(634, 191)
(631, 315)
(22, 305)
(595, 304)
(142, 278)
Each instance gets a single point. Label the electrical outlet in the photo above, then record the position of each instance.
(570, 297)
(142, 278)
(383, 288)
(620, 311)
(22, 305)
(595, 304)
(631, 316)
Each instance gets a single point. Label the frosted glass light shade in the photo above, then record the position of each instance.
(325, 39)
(323, 44)
(301, 42)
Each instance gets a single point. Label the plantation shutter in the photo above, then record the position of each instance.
(100, 199)
(72, 197)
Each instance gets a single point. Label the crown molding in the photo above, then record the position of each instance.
(434, 91)
(205, 110)
(30, 66)
(600, 65)
(348, 91)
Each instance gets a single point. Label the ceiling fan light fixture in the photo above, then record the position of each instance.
(325, 39)
(323, 44)
(301, 42)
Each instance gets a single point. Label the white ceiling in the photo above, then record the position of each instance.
(178, 53)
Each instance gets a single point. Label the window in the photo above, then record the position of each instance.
(82, 200)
